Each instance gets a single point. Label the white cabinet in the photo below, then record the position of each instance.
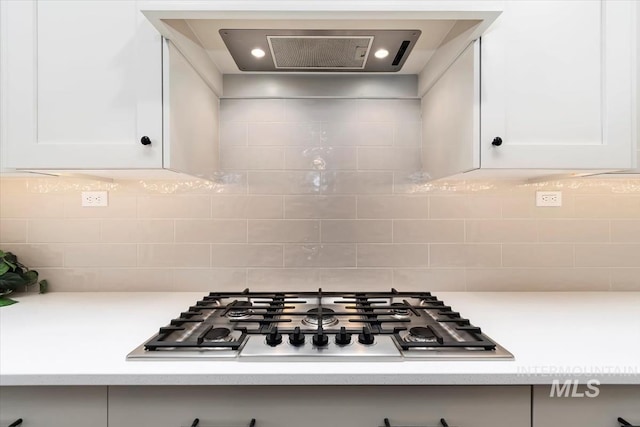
(83, 85)
(54, 406)
(551, 82)
(602, 410)
(313, 406)
(557, 85)
(83, 89)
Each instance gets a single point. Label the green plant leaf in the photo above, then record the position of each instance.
(11, 281)
(4, 267)
(6, 301)
(8, 256)
(1, 253)
(11, 265)
(44, 286)
(30, 277)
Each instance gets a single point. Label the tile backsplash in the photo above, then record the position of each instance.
(324, 192)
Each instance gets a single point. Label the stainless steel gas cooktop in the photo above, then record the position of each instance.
(286, 326)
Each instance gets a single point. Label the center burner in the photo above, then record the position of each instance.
(327, 318)
(240, 310)
(420, 334)
(400, 310)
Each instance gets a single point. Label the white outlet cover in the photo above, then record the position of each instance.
(549, 198)
(95, 198)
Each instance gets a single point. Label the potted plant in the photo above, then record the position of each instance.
(15, 275)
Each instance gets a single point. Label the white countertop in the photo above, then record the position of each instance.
(83, 338)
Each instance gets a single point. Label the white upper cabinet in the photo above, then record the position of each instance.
(83, 85)
(557, 86)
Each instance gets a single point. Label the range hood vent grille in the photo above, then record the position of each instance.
(320, 52)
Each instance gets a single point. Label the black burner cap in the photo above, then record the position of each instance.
(217, 334)
(421, 332)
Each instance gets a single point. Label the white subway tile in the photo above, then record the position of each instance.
(320, 158)
(393, 255)
(174, 255)
(13, 230)
(174, 206)
(539, 279)
(428, 231)
(137, 231)
(607, 255)
(462, 255)
(495, 231)
(63, 230)
(100, 255)
(283, 279)
(330, 207)
(392, 207)
(537, 255)
(37, 255)
(283, 231)
(573, 230)
(243, 255)
(356, 279)
(233, 134)
(320, 255)
(428, 280)
(250, 207)
(211, 231)
(356, 231)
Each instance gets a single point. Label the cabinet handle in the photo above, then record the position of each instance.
(196, 422)
(145, 140)
(443, 423)
(624, 422)
(497, 141)
(16, 423)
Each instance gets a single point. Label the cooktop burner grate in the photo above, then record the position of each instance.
(389, 324)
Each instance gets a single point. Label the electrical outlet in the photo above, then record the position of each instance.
(549, 198)
(95, 198)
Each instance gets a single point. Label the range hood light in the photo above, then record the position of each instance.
(381, 53)
(258, 53)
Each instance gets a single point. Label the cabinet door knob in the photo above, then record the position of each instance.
(145, 140)
(497, 141)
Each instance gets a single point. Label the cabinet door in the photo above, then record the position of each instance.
(313, 406)
(54, 406)
(83, 85)
(602, 410)
(557, 85)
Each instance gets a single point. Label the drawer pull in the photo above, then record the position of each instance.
(443, 423)
(625, 423)
(196, 423)
(16, 423)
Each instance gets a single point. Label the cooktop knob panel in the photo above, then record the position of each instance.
(297, 337)
(274, 338)
(366, 337)
(342, 337)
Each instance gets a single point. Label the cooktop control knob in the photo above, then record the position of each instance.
(366, 337)
(342, 337)
(297, 337)
(320, 339)
(274, 338)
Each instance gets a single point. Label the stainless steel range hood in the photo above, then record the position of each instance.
(320, 50)
(422, 38)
